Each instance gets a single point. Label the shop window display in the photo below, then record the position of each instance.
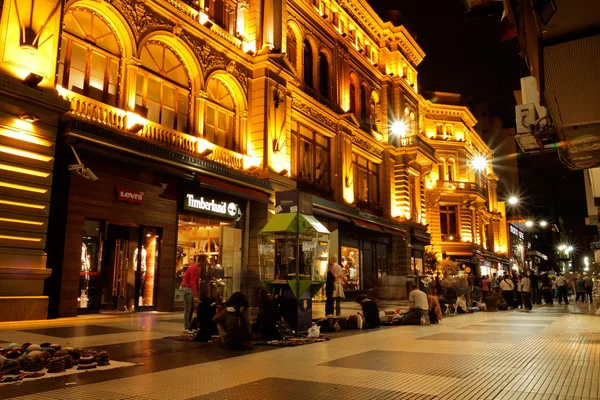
(118, 267)
(221, 242)
(350, 263)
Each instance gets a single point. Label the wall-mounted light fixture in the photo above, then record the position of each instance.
(32, 80)
(29, 117)
(136, 128)
(283, 172)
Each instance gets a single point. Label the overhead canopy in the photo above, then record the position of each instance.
(294, 223)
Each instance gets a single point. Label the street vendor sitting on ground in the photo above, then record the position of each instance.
(418, 307)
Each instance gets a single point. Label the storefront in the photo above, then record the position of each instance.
(119, 241)
(210, 224)
(362, 242)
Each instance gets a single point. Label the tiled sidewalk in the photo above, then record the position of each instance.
(549, 353)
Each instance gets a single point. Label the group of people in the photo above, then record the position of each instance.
(517, 290)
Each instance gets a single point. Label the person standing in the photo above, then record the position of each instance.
(418, 306)
(547, 290)
(589, 286)
(535, 288)
(495, 284)
(580, 290)
(563, 289)
(507, 286)
(485, 286)
(329, 288)
(190, 285)
(518, 297)
(338, 289)
(526, 292)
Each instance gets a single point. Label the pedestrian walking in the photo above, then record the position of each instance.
(338, 290)
(563, 289)
(507, 286)
(535, 288)
(495, 284)
(580, 290)
(526, 292)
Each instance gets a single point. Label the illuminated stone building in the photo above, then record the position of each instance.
(466, 221)
(157, 131)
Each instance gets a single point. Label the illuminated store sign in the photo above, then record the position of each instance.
(212, 206)
(130, 196)
(517, 232)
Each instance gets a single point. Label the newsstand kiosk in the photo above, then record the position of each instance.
(293, 250)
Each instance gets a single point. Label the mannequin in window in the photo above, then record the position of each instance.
(143, 270)
(85, 268)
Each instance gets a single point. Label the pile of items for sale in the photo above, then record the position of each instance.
(26, 361)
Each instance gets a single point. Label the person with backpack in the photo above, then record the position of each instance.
(233, 324)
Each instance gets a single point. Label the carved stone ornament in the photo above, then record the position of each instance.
(211, 60)
(365, 144)
(140, 16)
(307, 109)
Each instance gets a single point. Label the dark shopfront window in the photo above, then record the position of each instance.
(311, 160)
(365, 262)
(448, 220)
(366, 182)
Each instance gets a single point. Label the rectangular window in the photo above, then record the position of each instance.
(366, 180)
(310, 157)
(448, 220)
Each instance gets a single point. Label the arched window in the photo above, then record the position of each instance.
(364, 105)
(353, 98)
(323, 75)
(162, 87)
(308, 64)
(450, 169)
(292, 47)
(89, 57)
(442, 169)
(220, 119)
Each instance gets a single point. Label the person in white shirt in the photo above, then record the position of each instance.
(418, 306)
(526, 292)
(507, 286)
(563, 290)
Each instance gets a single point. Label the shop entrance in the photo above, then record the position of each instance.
(119, 265)
(221, 243)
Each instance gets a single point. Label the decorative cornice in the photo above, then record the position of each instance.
(299, 104)
(367, 145)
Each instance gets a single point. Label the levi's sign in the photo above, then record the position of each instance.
(212, 206)
(130, 196)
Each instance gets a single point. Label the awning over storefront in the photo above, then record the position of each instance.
(225, 187)
(293, 223)
(330, 215)
(392, 231)
(366, 225)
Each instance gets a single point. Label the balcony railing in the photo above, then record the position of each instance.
(417, 141)
(95, 111)
(463, 187)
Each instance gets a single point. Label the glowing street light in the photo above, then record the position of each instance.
(562, 247)
(399, 128)
(569, 249)
(529, 224)
(479, 163)
(543, 224)
(513, 200)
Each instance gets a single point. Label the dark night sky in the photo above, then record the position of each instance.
(468, 57)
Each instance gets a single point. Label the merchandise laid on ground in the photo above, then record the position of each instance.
(547, 353)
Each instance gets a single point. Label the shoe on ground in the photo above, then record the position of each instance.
(188, 331)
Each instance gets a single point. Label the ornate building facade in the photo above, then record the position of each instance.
(145, 134)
